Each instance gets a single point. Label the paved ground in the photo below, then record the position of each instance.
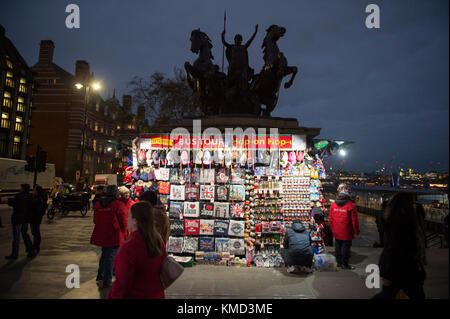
(66, 241)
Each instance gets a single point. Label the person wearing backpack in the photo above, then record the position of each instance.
(344, 224)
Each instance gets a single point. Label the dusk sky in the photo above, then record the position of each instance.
(385, 89)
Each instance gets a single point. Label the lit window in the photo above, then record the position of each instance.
(112, 132)
(118, 127)
(7, 101)
(95, 145)
(18, 119)
(9, 80)
(5, 115)
(22, 85)
(20, 104)
(9, 63)
(97, 107)
(22, 80)
(16, 139)
(96, 127)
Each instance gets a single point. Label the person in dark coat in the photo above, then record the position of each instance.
(38, 208)
(297, 252)
(403, 258)
(99, 193)
(379, 220)
(20, 218)
(110, 219)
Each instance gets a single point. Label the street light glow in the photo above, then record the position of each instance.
(342, 152)
(96, 86)
(109, 149)
(78, 86)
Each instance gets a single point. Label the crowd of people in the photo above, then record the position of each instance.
(133, 235)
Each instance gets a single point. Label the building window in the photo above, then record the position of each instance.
(3, 143)
(112, 132)
(20, 104)
(7, 101)
(5, 120)
(9, 64)
(19, 124)
(101, 129)
(9, 80)
(97, 107)
(96, 126)
(23, 85)
(118, 127)
(16, 146)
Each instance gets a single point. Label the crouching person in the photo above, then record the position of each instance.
(298, 253)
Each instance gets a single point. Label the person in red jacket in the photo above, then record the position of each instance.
(344, 224)
(138, 263)
(125, 198)
(109, 232)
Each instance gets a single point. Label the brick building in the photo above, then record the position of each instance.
(59, 115)
(16, 86)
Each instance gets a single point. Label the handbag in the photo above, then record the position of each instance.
(170, 271)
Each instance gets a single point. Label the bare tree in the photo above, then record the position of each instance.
(166, 99)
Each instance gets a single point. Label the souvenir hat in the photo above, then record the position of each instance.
(184, 158)
(243, 158)
(300, 156)
(155, 156)
(228, 158)
(198, 157)
(162, 156)
(292, 158)
(207, 157)
(284, 159)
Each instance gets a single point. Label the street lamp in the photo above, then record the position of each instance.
(87, 88)
(342, 152)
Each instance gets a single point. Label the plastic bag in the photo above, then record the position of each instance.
(325, 262)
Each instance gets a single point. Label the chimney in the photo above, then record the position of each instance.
(126, 101)
(46, 51)
(141, 112)
(82, 70)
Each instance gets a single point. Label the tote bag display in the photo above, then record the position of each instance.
(177, 192)
(191, 209)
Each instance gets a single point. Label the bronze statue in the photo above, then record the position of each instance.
(267, 82)
(220, 94)
(239, 72)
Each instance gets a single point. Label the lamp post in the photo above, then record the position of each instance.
(87, 88)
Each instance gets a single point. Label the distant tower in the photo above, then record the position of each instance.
(126, 102)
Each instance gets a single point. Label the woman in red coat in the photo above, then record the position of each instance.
(109, 232)
(138, 262)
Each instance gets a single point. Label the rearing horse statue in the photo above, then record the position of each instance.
(267, 83)
(203, 76)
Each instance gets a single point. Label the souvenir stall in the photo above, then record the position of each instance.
(231, 206)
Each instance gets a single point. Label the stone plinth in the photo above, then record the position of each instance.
(284, 125)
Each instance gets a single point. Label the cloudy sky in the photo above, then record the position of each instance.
(385, 89)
